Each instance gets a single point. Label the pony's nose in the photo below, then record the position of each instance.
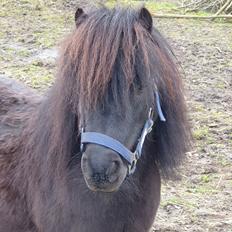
(102, 168)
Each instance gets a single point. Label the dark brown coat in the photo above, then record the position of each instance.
(41, 184)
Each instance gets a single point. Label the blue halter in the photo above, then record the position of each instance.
(115, 145)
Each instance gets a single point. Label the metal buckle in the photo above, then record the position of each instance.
(138, 151)
(132, 166)
(146, 130)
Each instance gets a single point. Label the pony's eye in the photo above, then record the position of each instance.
(138, 83)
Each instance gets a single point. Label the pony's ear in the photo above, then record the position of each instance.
(145, 18)
(78, 15)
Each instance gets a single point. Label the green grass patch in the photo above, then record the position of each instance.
(205, 178)
(12, 52)
(223, 161)
(221, 85)
(34, 76)
(206, 185)
(201, 133)
(179, 202)
(202, 13)
(198, 107)
(150, 5)
(197, 13)
(160, 6)
(202, 189)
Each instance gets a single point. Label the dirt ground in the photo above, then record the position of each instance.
(201, 201)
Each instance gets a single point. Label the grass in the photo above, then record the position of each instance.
(158, 7)
(27, 28)
(32, 22)
(204, 190)
(151, 5)
(201, 133)
(34, 76)
(179, 201)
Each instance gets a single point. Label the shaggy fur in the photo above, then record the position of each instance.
(41, 184)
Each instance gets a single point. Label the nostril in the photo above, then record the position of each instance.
(100, 178)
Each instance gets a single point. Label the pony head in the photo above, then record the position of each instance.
(113, 68)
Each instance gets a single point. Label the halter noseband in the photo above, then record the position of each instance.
(115, 145)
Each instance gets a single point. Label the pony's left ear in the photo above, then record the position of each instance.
(145, 19)
(78, 15)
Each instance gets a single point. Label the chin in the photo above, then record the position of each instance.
(103, 187)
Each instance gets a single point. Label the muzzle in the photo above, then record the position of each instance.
(115, 145)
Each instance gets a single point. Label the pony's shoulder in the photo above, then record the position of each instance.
(17, 102)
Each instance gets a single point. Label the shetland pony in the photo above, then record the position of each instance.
(89, 155)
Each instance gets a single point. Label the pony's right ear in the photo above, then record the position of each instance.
(145, 18)
(78, 15)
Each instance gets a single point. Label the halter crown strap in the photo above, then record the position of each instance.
(160, 112)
